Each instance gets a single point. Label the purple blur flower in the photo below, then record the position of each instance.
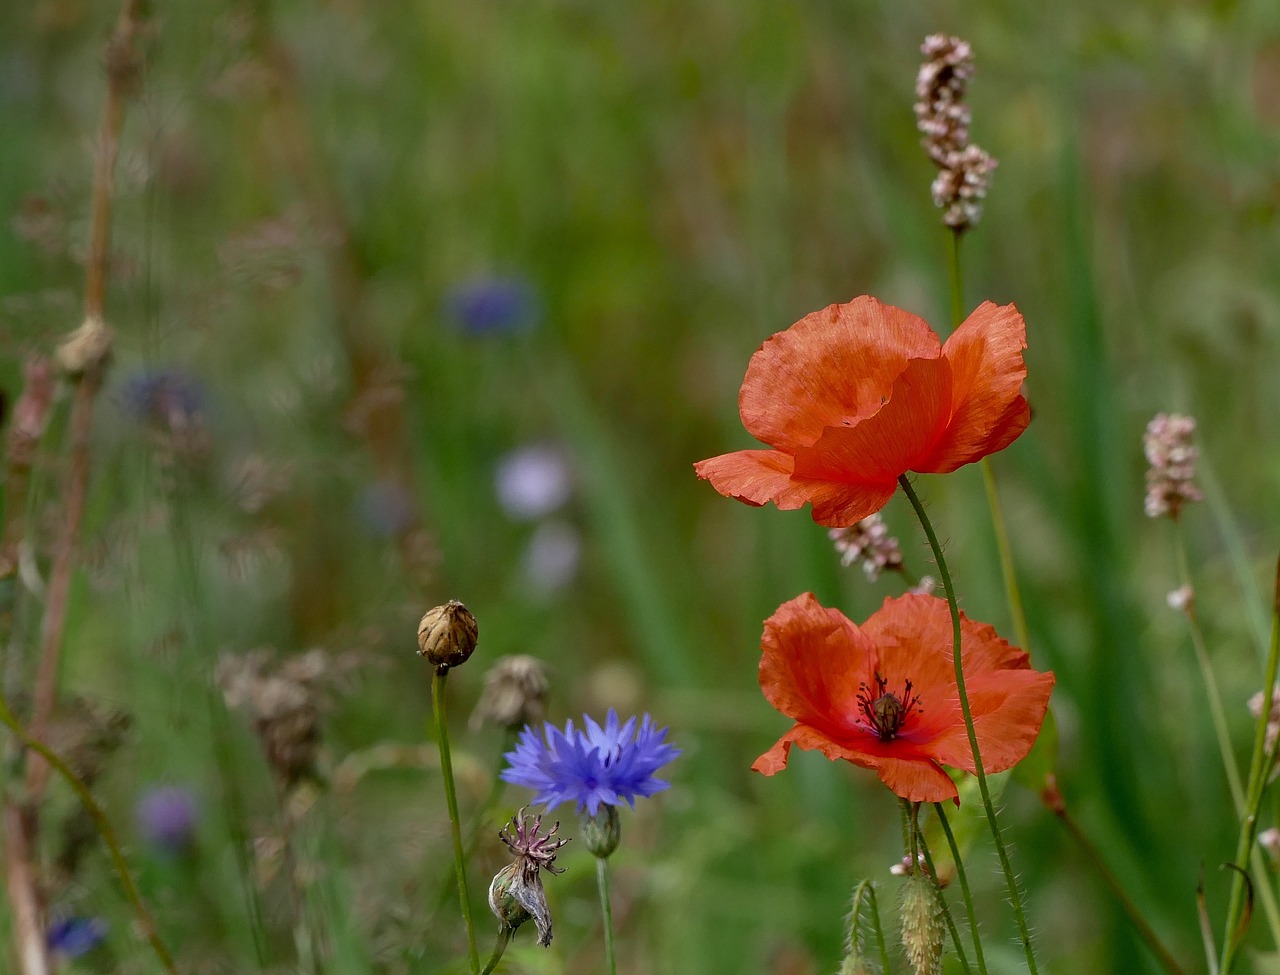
(385, 508)
(167, 818)
(593, 767)
(533, 481)
(169, 398)
(72, 937)
(487, 305)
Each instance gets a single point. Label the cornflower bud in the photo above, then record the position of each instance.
(602, 831)
(447, 635)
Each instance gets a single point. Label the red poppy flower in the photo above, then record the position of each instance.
(853, 396)
(883, 695)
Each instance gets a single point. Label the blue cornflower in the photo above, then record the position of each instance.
(170, 398)
(484, 305)
(167, 818)
(73, 936)
(593, 767)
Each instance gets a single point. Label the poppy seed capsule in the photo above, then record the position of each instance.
(447, 635)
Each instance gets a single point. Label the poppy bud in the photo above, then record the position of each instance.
(602, 831)
(922, 928)
(447, 635)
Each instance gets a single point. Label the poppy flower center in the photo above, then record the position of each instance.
(884, 711)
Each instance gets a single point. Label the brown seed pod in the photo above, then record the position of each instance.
(447, 635)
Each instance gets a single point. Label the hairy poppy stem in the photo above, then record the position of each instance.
(946, 912)
(963, 876)
(1259, 773)
(866, 891)
(451, 798)
(1015, 895)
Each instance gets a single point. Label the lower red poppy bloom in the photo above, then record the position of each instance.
(883, 695)
(851, 397)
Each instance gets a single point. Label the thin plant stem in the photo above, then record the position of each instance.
(146, 922)
(867, 888)
(606, 913)
(1012, 594)
(455, 821)
(1262, 882)
(962, 875)
(1258, 774)
(1015, 896)
(942, 905)
(499, 948)
(1057, 804)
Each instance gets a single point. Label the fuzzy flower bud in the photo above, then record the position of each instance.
(601, 832)
(922, 927)
(870, 543)
(514, 694)
(1172, 457)
(447, 635)
(516, 893)
(943, 119)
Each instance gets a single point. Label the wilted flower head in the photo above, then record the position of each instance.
(484, 305)
(883, 695)
(943, 119)
(592, 767)
(851, 397)
(167, 818)
(74, 936)
(1167, 444)
(870, 543)
(533, 481)
(514, 694)
(516, 893)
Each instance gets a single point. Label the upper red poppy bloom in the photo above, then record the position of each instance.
(853, 396)
(883, 695)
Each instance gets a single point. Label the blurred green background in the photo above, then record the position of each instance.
(366, 251)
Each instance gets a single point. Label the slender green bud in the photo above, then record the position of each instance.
(602, 831)
(923, 930)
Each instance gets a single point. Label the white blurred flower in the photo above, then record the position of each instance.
(533, 481)
(1180, 598)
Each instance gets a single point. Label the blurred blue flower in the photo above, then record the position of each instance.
(72, 937)
(485, 305)
(593, 767)
(551, 560)
(533, 481)
(168, 397)
(167, 818)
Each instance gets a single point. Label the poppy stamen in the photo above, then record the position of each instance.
(886, 712)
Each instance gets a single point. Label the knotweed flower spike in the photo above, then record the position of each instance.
(883, 695)
(851, 397)
(592, 767)
(870, 543)
(1167, 444)
(943, 119)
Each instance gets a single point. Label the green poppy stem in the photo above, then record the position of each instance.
(866, 891)
(1015, 896)
(455, 821)
(606, 913)
(963, 877)
(946, 910)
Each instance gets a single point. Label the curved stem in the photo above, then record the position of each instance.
(866, 889)
(455, 821)
(1015, 896)
(946, 911)
(606, 913)
(500, 946)
(1258, 773)
(963, 877)
(145, 921)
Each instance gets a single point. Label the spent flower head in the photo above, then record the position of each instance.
(1172, 456)
(514, 694)
(516, 893)
(593, 766)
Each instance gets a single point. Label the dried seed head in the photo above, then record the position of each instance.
(516, 893)
(447, 635)
(922, 926)
(514, 695)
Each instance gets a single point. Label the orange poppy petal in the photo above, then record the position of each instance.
(987, 369)
(889, 443)
(833, 365)
(1008, 709)
(917, 781)
(753, 476)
